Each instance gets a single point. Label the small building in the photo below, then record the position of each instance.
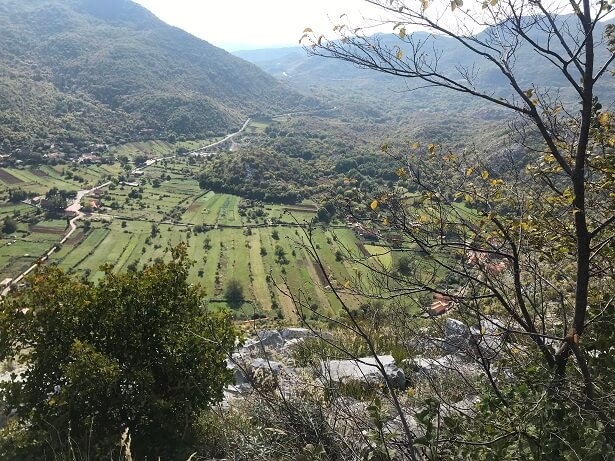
(440, 304)
(368, 234)
(6, 282)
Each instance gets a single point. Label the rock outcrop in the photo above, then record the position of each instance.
(364, 370)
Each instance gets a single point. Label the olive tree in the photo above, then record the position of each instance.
(137, 352)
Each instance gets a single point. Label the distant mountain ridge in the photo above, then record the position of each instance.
(78, 71)
(296, 66)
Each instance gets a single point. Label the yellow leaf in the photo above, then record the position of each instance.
(416, 145)
(307, 30)
(604, 118)
(484, 174)
(402, 32)
(347, 284)
(399, 54)
(424, 4)
(385, 221)
(469, 171)
(402, 173)
(374, 205)
(431, 148)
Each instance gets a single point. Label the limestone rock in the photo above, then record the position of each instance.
(454, 328)
(483, 340)
(429, 367)
(271, 339)
(364, 370)
(295, 333)
(488, 336)
(266, 365)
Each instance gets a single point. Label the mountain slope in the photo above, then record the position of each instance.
(76, 71)
(296, 66)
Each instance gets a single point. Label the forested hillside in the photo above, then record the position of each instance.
(417, 110)
(78, 71)
(302, 68)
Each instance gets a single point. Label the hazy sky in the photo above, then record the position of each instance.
(239, 24)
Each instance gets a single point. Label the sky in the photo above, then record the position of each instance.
(249, 24)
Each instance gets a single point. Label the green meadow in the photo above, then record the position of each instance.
(265, 247)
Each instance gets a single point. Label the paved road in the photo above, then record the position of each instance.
(75, 207)
(226, 138)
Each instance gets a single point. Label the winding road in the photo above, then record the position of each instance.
(226, 138)
(75, 207)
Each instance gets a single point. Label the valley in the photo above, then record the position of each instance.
(388, 245)
(131, 216)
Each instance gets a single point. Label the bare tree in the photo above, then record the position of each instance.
(524, 248)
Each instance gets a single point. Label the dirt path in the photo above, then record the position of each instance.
(75, 207)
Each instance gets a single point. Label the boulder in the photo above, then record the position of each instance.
(488, 336)
(292, 343)
(456, 337)
(364, 370)
(244, 370)
(454, 328)
(430, 367)
(487, 346)
(489, 325)
(238, 376)
(271, 339)
(483, 340)
(295, 333)
(266, 365)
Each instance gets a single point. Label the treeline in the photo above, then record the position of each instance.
(260, 175)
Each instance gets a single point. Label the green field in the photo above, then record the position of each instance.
(264, 247)
(381, 256)
(158, 148)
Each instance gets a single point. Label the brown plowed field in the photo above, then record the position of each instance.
(47, 230)
(39, 173)
(8, 178)
(300, 208)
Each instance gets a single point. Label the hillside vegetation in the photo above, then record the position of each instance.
(408, 109)
(398, 273)
(78, 71)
